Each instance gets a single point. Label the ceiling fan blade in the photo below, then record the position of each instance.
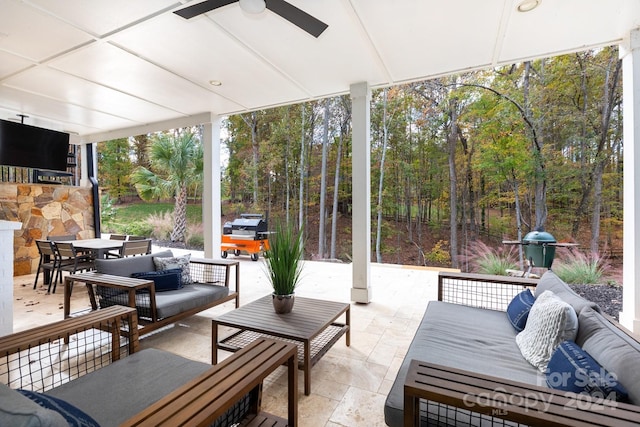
(200, 8)
(296, 16)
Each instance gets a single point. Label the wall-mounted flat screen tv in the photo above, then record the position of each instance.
(32, 147)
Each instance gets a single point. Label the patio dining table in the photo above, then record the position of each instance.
(98, 246)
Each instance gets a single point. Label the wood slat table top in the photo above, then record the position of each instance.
(308, 318)
(512, 400)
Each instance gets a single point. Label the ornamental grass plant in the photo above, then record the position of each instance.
(486, 260)
(283, 259)
(576, 267)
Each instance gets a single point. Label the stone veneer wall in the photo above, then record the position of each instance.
(44, 210)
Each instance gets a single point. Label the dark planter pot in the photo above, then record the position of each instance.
(283, 304)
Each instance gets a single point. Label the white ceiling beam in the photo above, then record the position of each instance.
(160, 126)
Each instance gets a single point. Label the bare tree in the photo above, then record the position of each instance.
(385, 137)
(323, 181)
(252, 122)
(344, 130)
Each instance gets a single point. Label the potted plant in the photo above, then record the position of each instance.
(283, 262)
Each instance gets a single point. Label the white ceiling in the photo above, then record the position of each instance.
(93, 67)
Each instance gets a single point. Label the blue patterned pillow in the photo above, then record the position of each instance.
(518, 309)
(74, 416)
(573, 369)
(164, 280)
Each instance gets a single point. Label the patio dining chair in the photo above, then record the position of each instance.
(137, 238)
(135, 247)
(71, 260)
(49, 262)
(118, 237)
(61, 238)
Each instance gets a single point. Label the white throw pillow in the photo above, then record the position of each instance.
(551, 321)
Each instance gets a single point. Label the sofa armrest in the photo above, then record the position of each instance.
(481, 290)
(47, 356)
(212, 396)
(217, 272)
(207, 270)
(494, 397)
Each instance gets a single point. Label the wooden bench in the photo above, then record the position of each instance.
(208, 397)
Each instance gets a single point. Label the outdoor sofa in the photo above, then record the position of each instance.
(466, 365)
(184, 286)
(81, 371)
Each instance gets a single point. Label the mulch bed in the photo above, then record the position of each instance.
(608, 297)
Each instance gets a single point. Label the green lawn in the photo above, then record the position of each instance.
(132, 218)
(140, 211)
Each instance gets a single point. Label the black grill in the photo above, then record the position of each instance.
(248, 226)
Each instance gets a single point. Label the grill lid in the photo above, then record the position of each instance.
(249, 222)
(538, 237)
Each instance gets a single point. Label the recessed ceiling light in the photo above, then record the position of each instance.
(528, 5)
(253, 6)
(215, 82)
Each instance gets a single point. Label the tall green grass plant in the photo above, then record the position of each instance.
(283, 259)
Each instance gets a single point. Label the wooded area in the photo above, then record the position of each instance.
(497, 152)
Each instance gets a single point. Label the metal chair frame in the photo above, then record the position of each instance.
(48, 249)
(71, 260)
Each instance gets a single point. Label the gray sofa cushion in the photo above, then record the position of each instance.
(462, 337)
(613, 349)
(551, 282)
(170, 303)
(126, 266)
(115, 393)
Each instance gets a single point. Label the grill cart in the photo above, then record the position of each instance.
(247, 233)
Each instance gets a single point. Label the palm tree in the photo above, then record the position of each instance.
(176, 164)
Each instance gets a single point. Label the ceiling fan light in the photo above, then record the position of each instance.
(528, 5)
(253, 6)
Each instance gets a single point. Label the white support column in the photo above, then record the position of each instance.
(630, 53)
(361, 192)
(84, 170)
(211, 205)
(6, 275)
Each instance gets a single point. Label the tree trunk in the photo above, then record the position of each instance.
(336, 193)
(323, 182)
(301, 183)
(597, 208)
(452, 138)
(381, 181)
(180, 215)
(584, 175)
(608, 101)
(516, 196)
(256, 154)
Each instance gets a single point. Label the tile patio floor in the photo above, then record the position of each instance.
(348, 385)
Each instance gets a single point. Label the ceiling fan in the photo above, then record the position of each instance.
(296, 16)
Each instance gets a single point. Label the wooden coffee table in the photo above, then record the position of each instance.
(311, 325)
